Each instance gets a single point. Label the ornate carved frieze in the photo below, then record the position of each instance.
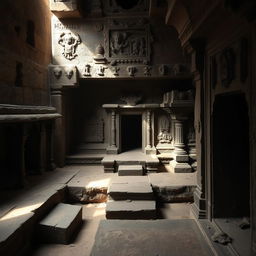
(116, 71)
(69, 72)
(127, 42)
(147, 70)
(69, 42)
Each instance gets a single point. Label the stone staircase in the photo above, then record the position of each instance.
(130, 197)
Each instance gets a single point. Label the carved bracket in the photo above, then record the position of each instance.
(61, 76)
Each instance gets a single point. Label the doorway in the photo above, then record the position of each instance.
(131, 132)
(231, 168)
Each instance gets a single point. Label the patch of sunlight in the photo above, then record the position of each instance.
(20, 211)
(99, 212)
(103, 183)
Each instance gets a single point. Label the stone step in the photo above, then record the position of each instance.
(131, 210)
(130, 188)
(130, 170)
(60, 224)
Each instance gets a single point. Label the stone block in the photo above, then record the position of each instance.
(63, 76)
(60, 224)
(181, 158)
(180, 167)
(131, 210)
(129, 191)
(130, 170)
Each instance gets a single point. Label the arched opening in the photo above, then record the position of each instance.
(231, 170)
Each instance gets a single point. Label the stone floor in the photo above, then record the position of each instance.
(40, 189)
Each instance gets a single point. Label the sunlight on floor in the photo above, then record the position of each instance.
(21, 211)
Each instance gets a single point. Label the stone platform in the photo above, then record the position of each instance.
(150, 163)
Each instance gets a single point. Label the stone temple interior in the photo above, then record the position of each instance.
(128, 127)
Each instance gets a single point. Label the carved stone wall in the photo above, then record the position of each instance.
(106, 47)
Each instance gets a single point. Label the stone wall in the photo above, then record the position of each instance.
(25, 45)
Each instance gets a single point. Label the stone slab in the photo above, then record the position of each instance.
(60, 224)
(130, 170)
(130, 187)
(151, 238)
(131, 210)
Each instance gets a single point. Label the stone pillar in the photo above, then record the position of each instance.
(42, 148)
(50, 146)
(149, 147)
(24, 137)
(59, 131)
(149, 129)
(180, 162)
(112, 149)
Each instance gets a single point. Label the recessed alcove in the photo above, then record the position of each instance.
(231, 170)
(131, 132)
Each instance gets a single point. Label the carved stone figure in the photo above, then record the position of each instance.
(69, 43)
(131, 70)
(69, 73)
(87, 70)
(118, 42)
(164, 127)
(57, 72)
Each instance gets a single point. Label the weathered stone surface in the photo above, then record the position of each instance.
(60, 224)
(130, 187)
(130, 170)
(131, 209)
(146, 237)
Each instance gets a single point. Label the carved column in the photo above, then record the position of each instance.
(57, 99)
(180, 162)
(179, 138)
(113, 129)
(149, 129)
(112, 149)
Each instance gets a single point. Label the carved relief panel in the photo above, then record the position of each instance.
(128, 41)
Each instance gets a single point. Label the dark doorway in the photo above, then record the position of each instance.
(231, 165)
(131, 132)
